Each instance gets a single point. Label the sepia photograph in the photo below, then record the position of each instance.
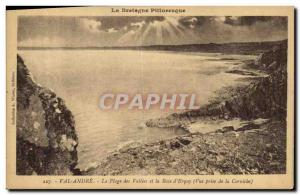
(152, 92)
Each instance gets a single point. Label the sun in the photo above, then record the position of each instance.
(158, 32)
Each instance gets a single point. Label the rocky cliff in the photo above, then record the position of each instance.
(46, 137)
(265, 97)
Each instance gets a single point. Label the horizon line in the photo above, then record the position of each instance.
(137, 46)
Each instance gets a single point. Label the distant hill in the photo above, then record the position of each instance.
(228, 48)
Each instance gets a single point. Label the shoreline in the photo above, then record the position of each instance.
(250, 149)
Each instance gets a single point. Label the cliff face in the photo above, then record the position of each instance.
(264, 98)
(267, 97)
(46, 137)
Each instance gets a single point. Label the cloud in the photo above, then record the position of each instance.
(250, 20)
(138, 24)
(195, 21)
(91, 25)
(119, 22)
(147, 30)
(42, 42)
(112, 30)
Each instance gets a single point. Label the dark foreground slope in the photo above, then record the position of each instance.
(251, 149)
(260, 150)
(46, 137)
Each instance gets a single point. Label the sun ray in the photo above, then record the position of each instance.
(146, 32)
(126, 38)
(159, 32)
(176, 30)
(166, 35)
(171, 31)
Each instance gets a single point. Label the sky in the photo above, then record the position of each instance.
(69, 31)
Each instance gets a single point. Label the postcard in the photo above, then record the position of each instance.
(150, 98)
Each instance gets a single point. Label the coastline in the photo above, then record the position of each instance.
(253, 151)
(253, 148)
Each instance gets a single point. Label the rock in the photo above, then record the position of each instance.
(57, 110)
(185, 127)
(212, 152)
(36, 125)
(92, 166)
(248, 127)
(46, 136)
(176, 144)
(227, 128)
(251, 131)
(242, 72)
(185, 140)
